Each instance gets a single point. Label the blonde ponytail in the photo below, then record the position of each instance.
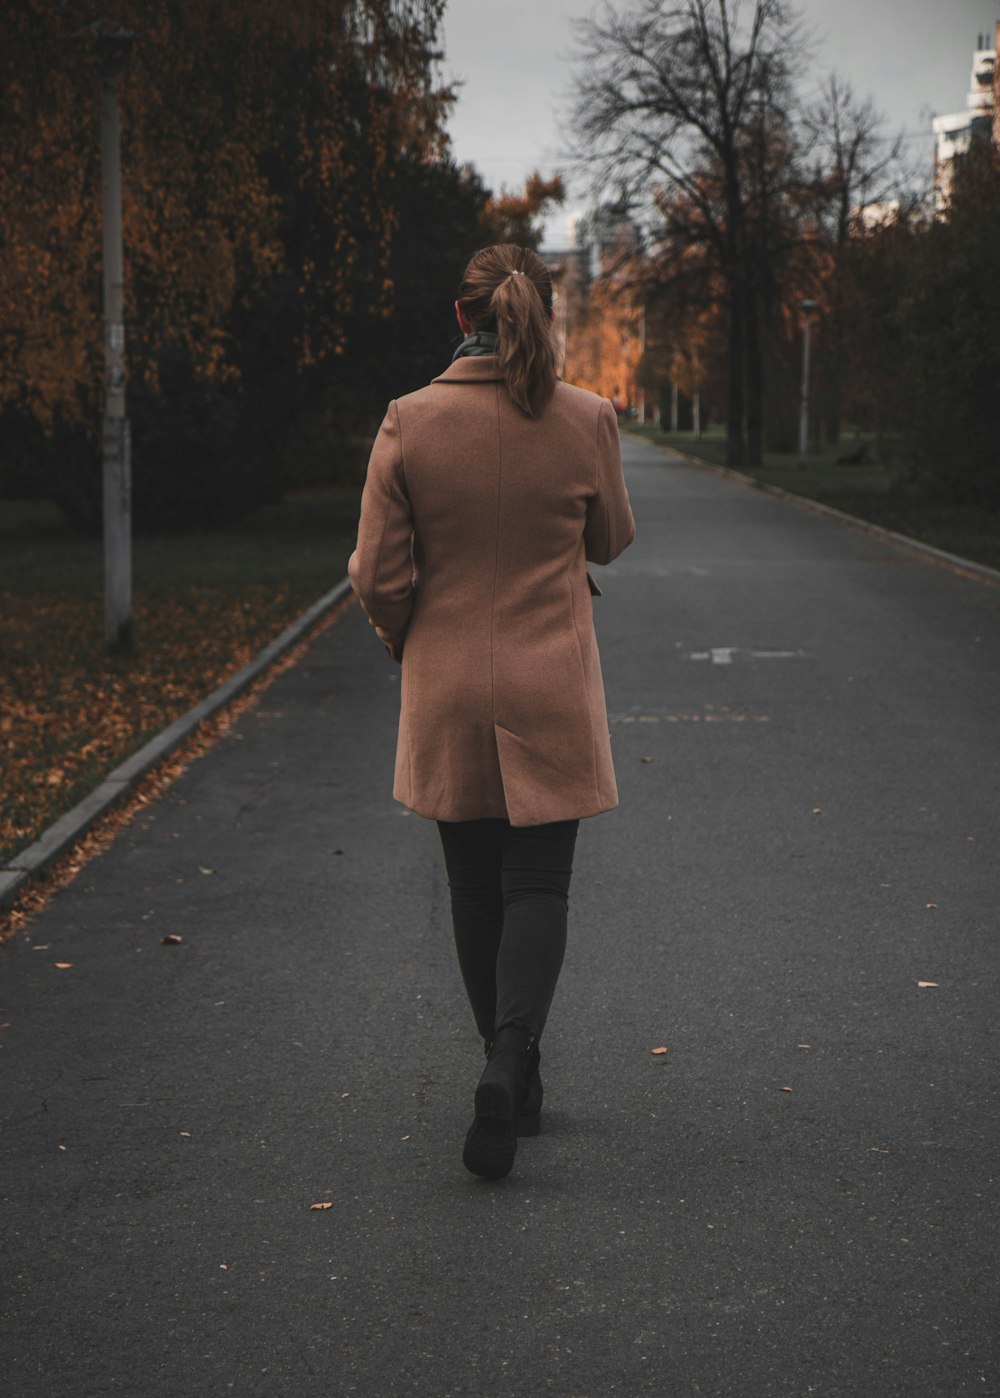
(508, 289)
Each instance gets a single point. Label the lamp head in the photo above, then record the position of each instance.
(114, 44)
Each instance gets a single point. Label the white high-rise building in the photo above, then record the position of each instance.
(956, 132)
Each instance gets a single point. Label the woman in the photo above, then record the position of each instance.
(487, 492)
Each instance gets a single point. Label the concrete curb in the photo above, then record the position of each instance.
(953, 560)
(59, 838)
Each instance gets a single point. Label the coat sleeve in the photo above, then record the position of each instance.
(381, 567)
(610, 527)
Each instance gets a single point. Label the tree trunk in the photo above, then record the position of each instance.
(755, 383)
(734, 413)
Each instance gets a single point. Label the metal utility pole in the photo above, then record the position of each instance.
(807, 308)
(115, 47)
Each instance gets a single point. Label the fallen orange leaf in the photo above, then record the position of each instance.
(926, 985)
(786, 1089)
(661, 1049)
(327, 1205)
(62, 965)
(172, 939)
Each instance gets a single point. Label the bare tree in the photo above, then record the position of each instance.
(855, 164)
(681, 107)
(855, 182)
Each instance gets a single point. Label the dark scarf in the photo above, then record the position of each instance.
(479, 342)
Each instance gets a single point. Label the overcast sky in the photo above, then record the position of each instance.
(913, 57)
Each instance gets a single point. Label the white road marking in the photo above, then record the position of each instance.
(723, 655)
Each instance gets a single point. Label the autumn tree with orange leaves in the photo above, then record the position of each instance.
(513, 216)
(271, 154)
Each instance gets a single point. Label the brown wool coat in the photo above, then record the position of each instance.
(476, 525)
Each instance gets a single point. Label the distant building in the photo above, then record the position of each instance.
(569, 269)
(875, 215)
(956, 132)
(602, 238)
(598, 327)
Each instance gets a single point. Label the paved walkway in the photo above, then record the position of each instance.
(798, 1197)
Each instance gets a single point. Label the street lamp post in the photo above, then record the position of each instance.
(807, 308)
(115, 47)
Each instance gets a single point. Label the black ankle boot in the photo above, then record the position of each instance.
(492, 1139)
(529, 1116)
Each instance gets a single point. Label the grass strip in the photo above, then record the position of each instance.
(204, 603)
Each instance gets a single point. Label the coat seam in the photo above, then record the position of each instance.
(602, 503)
(586, 685)
(402, 678)
(378, 559)
(402, 452)
(385, 521)
(496, 578)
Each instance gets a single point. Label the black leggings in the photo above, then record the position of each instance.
(509, 897)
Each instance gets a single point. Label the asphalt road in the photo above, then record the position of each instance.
(798, 1197)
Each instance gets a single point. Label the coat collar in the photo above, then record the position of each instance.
(483, 368)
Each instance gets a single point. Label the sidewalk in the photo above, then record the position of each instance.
(805, 736)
